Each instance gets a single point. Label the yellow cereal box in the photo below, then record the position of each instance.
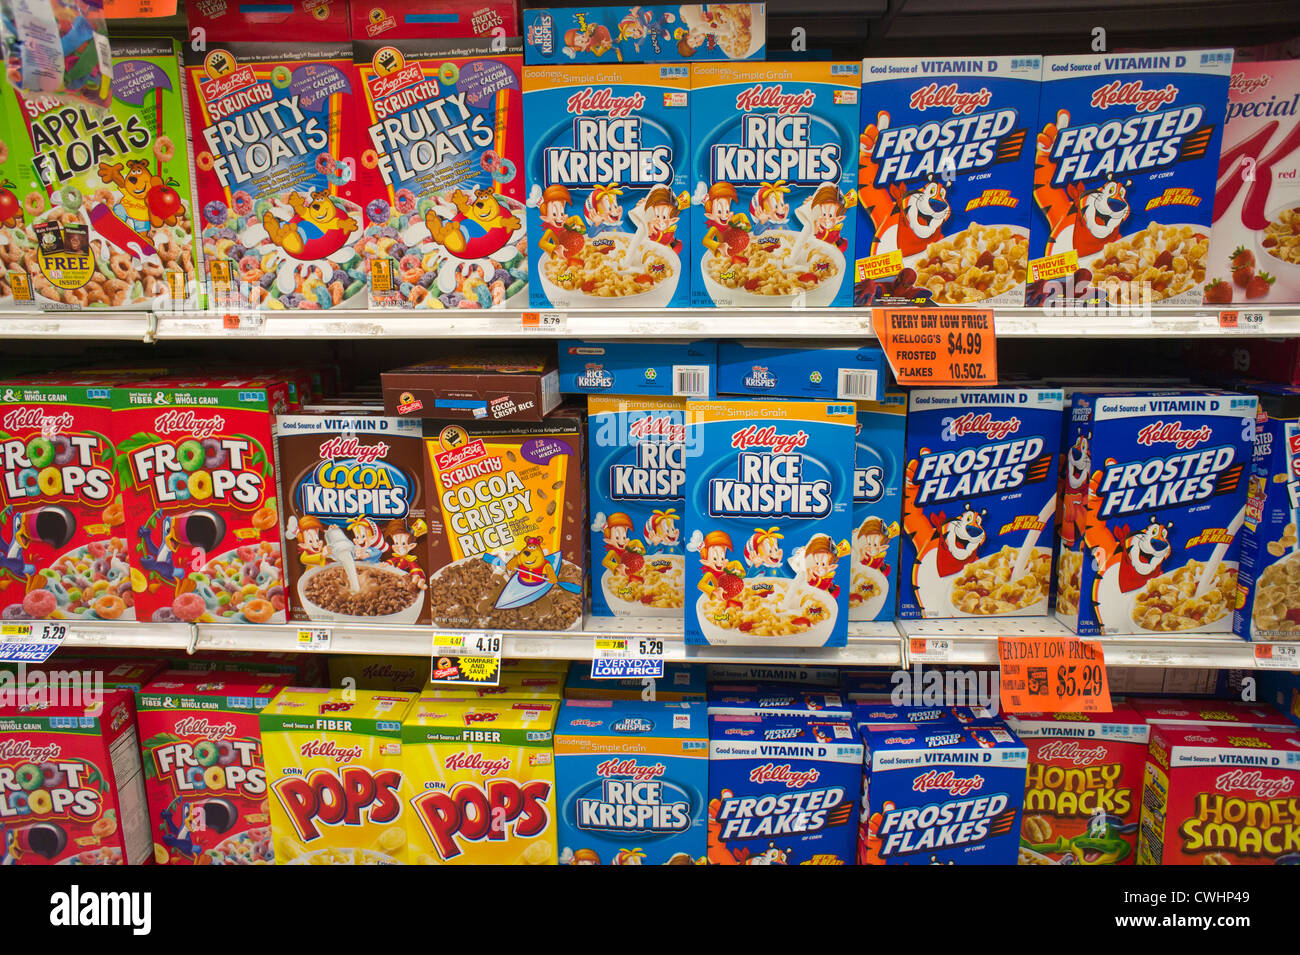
(480, 782)
(513, 686)
(334, 769)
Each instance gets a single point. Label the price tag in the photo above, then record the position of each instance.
(1277, 656)
(616, 658)
(249, 322)
(939, 346)
(314, 638)
(930, 649)
(473, 658)
(543, 321)
(1053, 675)
(1244, 321)
(138, 9)
(31, 642)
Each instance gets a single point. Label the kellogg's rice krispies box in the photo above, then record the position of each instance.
(1217, 795)
(607, 186)
(774, 174)
(442, 174)
(479, 781)
(1124, 175)
(335, 770)
(945, 162)
(1166, 496)
(632, 780)
(1083, 786)
(877, 507)
(979, 500)
(769, 483)
(652, 369)
(646, 33)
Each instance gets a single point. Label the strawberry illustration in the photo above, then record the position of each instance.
(1242, 258)
(731, 584)
(633, 562)
(570, 241)
(1260, 285)
(1241, 276)
(1218, 292)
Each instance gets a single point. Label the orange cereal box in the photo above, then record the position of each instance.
(334, 768)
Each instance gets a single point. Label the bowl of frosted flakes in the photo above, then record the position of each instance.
(774, 271)
(1169, 603)
(760, 609)
(597, 269)
(990, 586)
(1159, 262)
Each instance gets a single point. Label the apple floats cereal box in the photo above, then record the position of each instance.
(18, 195)
(979, 499)
(774, 176)
(335, 770)
(945, 162)
(769, 483)
(442, 168)
(607, 186)
(1124, 174)
(877, 507)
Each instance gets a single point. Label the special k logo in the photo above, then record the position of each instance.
(767, 437)
(948, 782)
(605, 101)
(783, 774)
(187, 422)
(947, 97)
(1173, 432)
(1254, 782)
(985, 424)
(1071, 751)
(1132, 93)
(775, 97)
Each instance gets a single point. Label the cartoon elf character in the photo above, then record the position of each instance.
(661, 213)
(621, 549)
(873, 540)
(763, 552)
(311, 541)
(563, 231)
(369, 543)
(401, 553)
(593, 38)
(821, 557)
(661, 531)
(725, 228)
(717, 570)
(602, 210)
(630, 857)
(828, 216)
(768, 209)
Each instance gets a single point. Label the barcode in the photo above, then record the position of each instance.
(857, 385)
(691, 381)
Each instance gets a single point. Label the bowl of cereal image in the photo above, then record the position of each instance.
(870, 590)
(597, 274)
(387, 595)
(1154, 264)
(463, 595)
(658, 593)
(1168, 603)
(762, 615)
(1280, 257)
(767, 278)
(1277, 600)
(984, 587)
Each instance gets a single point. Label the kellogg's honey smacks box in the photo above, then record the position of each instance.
(203, 767)
(773, 175)
(1125, 165)
(443, 174)
(335, 770)
(480, 782)
(71, 791)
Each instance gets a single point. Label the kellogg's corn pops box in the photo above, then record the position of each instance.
(1124, 174)
(877, 507)
(335, 770)
(945, 163)
(774, 183)
(384, 673)
(480, 783)
(517, 685)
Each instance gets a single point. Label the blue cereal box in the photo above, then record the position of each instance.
(606, 158)
(631, 781)
(795, 370)
(652, 369)
(886, 714)
(979, 501)
(773, 673)
(768, 483)
(645, 33)
(782, 790)
(1126, 163)
(775, 699)
(774, 176)
(637, 474)
(877, 507)
(681, 682)
(939, 794)
(1157, 548)
(945, 172)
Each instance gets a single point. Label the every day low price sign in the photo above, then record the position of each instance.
(939, 346)
(1053, 675)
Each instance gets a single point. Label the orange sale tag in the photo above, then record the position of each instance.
(1053, 675)
(939, 347)
(133, 9)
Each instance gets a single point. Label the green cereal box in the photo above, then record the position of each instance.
(16, 253)
(108, 200)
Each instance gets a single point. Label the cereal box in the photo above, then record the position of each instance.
(776, 699)
(680, 682)
(71, 792)
(508, 551)
(336, 774)
(323, 20)
(479, 783)
(768, 482)
(638, 484)
(521, 385)
(632, 779)
(774, 179)
(110, 208)
(607, 186)
(941, 795)
(412, 19)
(442, 174)
(1083, 787)
(1156, 550)
(1218, 795)
(877, 507)
(1185, 711)
(886, 714)
(519, 685)
(1255, 243)
(1127, 148)
(658, 369)
(773, 673)
(383, 673)
(272, 130)
(203, 769)
(783, 790)
(197, 469)
(794, 369)
(352, 489)
(979, 500)
(945, 162)
(646, 33)
(19, 195)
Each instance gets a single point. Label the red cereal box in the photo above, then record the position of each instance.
(197, 466)
(203, 770)
(1220, 795)
(71, 791)
(413, 20)
(1194, 712)
(318, 20)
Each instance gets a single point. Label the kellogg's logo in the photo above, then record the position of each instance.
(1241, 83)
(475, 762)
(23, 749)
(604, 101)
(759, 96)
(591, 723)
(630, 767)
(985, 424)
(351, 448)
(1133, 94)
(328, 749)
(199, 726)
(1173, 433)
(188, 422)
(946, 781)
(1071, 751)
(1254, 782)
(767, 437)
(657, 426)
(21, 419)
(947, 97)
(791, 779)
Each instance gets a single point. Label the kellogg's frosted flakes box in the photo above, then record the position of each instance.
(979, 500)
(1124, 173)
(1155, 543)
(1217, 795)
(646, 33)
(442, 174)
(480, 783)
(877, 507)
(775, 699)
(769, 483)
(336, 774)
(774, 174)
(607, 186)
(945, 162)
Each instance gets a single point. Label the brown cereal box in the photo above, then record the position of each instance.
(521, 387)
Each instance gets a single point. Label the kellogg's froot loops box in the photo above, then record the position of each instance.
(979, 499)
(335, 771)
(1125, 166)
